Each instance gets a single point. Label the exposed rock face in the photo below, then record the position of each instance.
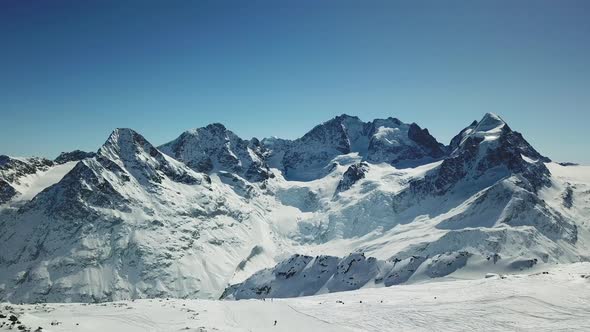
(307, 157)
(13, 171)
(352, 175)
(18, 174)
(568, 197)
(485, 146)
(75, 155)
(7, 192)
(302, 275)
(214, 148)
(382, 140)
(395, 142)
(127, 149)
(456, 141)
(428, 143)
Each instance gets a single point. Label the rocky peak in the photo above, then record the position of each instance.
(456, 141)
(490, 121)
(381, 140)
(124, 168)
(333, 134)
(215, 148)
(491, 144)
(126, 144)
(128, 150)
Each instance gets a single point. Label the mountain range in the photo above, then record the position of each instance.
(350, 204)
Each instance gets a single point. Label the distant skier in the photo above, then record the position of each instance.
(275, 323)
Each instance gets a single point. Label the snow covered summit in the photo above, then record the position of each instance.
(381, 140)
(214, 148)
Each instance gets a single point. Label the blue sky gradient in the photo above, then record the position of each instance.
(71, 71)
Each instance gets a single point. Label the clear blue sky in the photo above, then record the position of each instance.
(71, 71)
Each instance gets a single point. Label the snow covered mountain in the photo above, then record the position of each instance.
(23, 178)
(129, 222)
(494, 204)
(350, 204)
(382, 140)
(214, 148)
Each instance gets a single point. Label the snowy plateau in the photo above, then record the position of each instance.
(355, 226)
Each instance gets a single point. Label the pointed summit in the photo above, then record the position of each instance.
(491, 144)
(488, 129)
(132, 152)
(126, 143)
(124, 168)
(490, 121)
(120, 134)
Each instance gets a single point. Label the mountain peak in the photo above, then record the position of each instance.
(345, 116)
(125, 143)
(213, 129)
(122, 136)
(490, 121)
(215, 147)
(216, 126)
(489, 144)
(122, 132)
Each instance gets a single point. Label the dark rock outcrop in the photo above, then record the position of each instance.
(352, 175)
(75, 155)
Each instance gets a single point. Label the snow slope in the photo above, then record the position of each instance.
(21, 179)
(555, 299)
(30, 186)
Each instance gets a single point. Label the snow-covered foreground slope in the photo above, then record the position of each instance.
(555, 299)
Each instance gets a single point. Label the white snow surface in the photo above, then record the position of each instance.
(554, 299)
